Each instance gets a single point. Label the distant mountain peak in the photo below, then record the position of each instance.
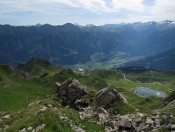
(90, 25)
(167, 22)
(38, 25)
(69, 26)
(35, 64)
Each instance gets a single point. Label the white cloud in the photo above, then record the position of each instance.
(136, 5)
(91, 5)
(103, 5)
(163, 9)
(106, 11)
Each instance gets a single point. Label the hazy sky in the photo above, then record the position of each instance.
(56, 12)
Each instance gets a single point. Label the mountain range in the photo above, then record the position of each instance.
(71, 44)
(163, 61)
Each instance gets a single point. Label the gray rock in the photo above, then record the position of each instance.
(78, 129)
(107, 129)
(141, 114)
(29, 128)
(153, 117)
(6, 127)
(112, 124)
(41, 127)
(134, 124)
(138, 129)
(50, 106)
(63, 117)
(43, 109)
(55, 108)
(149, 121)
(148, 129)
(145, 126)
(23, 74)
(57, 84)
(102, 115)
(125, 122)
(23, 130)
(6, 117)
(70, 90)
(107, 96)
(157, 123)
(137, 119)
(86, 114)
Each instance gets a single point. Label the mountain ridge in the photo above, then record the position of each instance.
(70, 44)
(163, 61)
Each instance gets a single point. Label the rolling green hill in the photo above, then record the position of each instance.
(17, 93)
(25, 98)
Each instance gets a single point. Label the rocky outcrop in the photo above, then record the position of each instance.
(70, 90)
(169, 99)
(136, 122)
(35, 64)
(22, 74)
(102, 114)
(107, 96)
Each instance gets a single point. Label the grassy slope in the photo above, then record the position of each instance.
(51, 118)
(99, 79)
(16, 92)
(14, 89)
(144, 104)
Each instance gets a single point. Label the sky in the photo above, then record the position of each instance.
(83, 12)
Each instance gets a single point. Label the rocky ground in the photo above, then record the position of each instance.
(69, 95)
(130, 122)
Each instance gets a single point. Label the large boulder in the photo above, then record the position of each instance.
(70, 90)
(102, 115)
(107, 96)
